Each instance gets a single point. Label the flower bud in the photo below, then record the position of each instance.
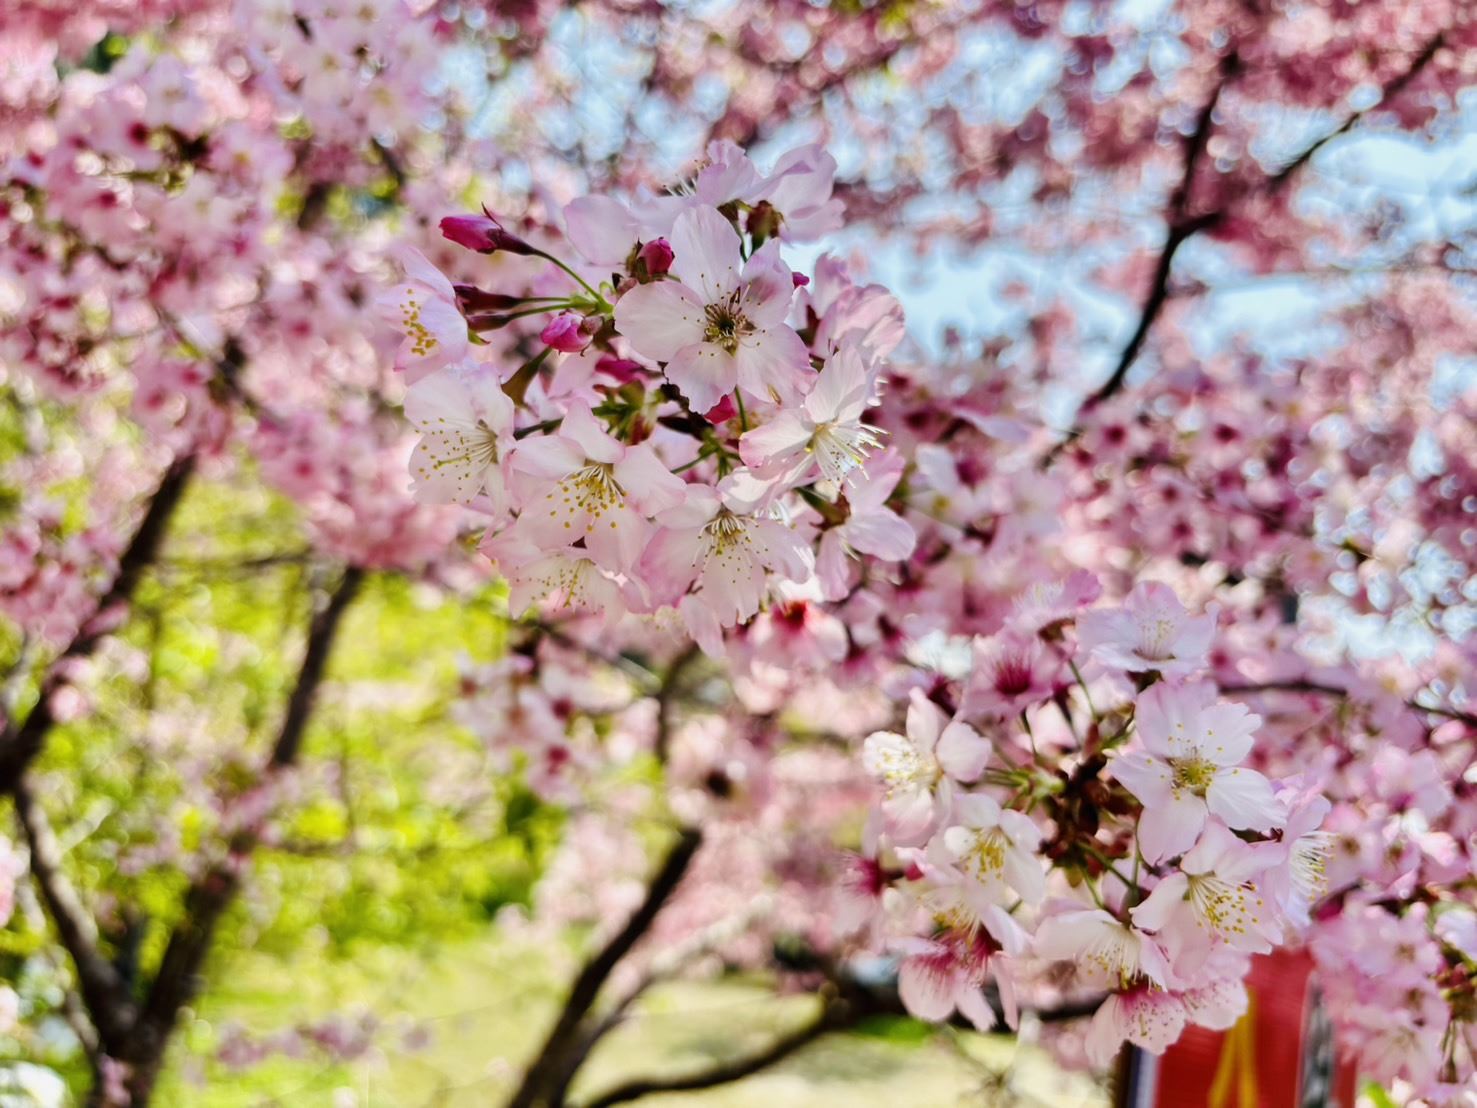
(470, 299)
(483, 234)
(622, 369)
(657, 257)
(563, 333)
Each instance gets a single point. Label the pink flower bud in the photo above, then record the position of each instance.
(800, 280)
(623, 370)
(483, 234)
(722, 411)
(657, 255)
(563, 333)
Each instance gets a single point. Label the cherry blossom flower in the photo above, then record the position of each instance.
(724, 543)
(1146, 1016)
(423, 307)
(870, 527)
(1102, 948)
(718, 327)
(1212, 899)
(582, 484)
(938, 976)
(466, 424)
(995, 850)
(825, 433)
(1190, 765)
(1152, 631)
(1010, 671)
(799, 189)
(1300, 879)
(913, 765)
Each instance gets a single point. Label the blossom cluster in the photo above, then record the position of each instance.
(683, 430)
(1086, 799)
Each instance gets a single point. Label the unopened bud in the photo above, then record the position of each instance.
(563, 333)
(483, 234)
(657, 257)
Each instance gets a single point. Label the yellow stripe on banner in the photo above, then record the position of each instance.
(1237, 1066)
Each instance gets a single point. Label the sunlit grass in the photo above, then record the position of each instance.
(483, 1006)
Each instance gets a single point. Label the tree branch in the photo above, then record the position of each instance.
(109, 1007)
(664, 697)
(177, 981)
(548, 1075)
(834, 1016)
(1317, 688)
(844, 1005)
(19, 745)
(1391, 89)
(1183, 226)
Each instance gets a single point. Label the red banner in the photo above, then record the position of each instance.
(1279, 1055)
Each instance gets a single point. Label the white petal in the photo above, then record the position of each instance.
(660, 319)
(703, 373)
(774, 363)
(705, 250)
(1171, 826)
(601, 229)
(1244, 799)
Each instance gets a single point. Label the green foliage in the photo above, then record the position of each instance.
(393, 832)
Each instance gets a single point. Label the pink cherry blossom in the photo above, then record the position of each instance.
(1212, 897)
(423, 307)
(1146, 1016)
(1190, 766)
(466, 424)
(723, 543)
(718, 326)
(581, 484)
(1152, 631)
(826, 433)
(939, 976)
(911, 766)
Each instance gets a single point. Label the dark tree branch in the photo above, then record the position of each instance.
(1391, 89)
(19, 745)
(103, 992)
(834, 1016)
(1184, 226)
(177, 981)
(547, 1078)
(665, 695)
(844, 1005)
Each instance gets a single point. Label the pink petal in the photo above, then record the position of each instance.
(1244, 799)
(660, 319)
(706, 249)
(1171, 827)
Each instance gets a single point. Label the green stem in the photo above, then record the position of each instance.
(600, 301)
(738, 397)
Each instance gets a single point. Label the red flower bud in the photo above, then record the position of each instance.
(469, 299)
(623, 370)
(483, 234)
(563, 333)
(722, 411)
(657, 255)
